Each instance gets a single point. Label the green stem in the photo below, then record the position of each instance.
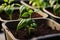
(54, 12)
(30, 15)
(29, 30)
(17, 4)
(10, 16)
(19, 15)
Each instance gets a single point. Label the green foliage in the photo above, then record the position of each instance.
(56, 8)
(39, 3)
(8, 1)
(25, 11)
(9, 10)
(55, 5)
(51, 2)
(27, 23)
(2, 7)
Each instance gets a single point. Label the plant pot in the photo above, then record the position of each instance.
(50, 27)
(39, 11)
(4, 17)
(15, 15)
(51, 15)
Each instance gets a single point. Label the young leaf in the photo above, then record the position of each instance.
(22, 8)
(25, 11)
(52, 2)
(30, 12)
(56, 8)
(6, 0)
(2, 7)
(10, 1)
(27, 23)
(9, 10)
(25, 14)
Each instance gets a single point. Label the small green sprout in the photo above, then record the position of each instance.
(56, 9)
(8, 1)
(25, 11)
(9, 10)
(27, 23)
(38, 3)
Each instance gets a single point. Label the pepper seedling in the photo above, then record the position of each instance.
(51, 2)
(2, 7)
(25, 11)
(38, 3)
(27, 23)
(56, 9)
(9, 8)
(55, 5)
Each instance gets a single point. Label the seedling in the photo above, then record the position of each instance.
(38, 3)
(2, 7)
(25, 11)
(9, 8)
(56, 7)
(51, 2)
(27, 23)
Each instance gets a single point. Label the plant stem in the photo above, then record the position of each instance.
(10, 16)
(29, 30)
(30, 15)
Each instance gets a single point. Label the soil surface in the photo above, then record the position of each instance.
(15, 15)
(51, 10)
(34, 15)
(22, 34)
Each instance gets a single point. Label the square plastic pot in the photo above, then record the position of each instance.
(51, 23)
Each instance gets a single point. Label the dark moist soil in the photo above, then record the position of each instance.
(34, 15)
(51, 10)
(15, 15)
(22, 34)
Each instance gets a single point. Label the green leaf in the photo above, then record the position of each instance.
(9, 9)
(5, 0)
(30, 12)
(10, 1)
(21, 24)
(2, 7)
(25, 14)
(34, 25)
(52, 2)
(26, 23)
(22, 8)
(56, 8)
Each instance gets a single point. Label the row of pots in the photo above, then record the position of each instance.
(49, 29)
(47, 11)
